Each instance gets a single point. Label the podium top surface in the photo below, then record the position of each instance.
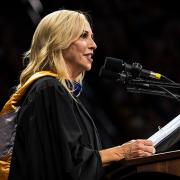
(152, 163)
(165, 156)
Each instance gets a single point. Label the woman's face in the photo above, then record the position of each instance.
(78, 56)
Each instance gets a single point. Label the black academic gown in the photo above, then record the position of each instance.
(56, 138)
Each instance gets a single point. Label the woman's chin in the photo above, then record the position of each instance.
(88, 68)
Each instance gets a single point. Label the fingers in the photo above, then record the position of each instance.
(149, 149)
(148, 146)
(144, 141)
(144, 154)
(140, 148)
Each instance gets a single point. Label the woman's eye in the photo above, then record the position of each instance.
(84, 35)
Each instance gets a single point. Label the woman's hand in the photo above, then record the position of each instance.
(130, 150)
(135, 149)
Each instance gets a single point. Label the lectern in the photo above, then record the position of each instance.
(167, 163)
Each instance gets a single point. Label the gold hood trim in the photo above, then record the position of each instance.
(12, 103)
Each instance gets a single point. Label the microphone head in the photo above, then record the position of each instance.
(108, 74)
(113, 64)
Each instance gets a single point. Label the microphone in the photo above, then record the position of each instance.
(113, 75)
(136, 69)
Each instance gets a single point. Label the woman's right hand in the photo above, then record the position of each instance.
(129, 150)
(135, 148)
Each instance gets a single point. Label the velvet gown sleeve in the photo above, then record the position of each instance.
(51, 143)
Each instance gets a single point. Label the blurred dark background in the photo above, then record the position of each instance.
(147, 32)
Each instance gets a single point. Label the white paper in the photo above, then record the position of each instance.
(165, 131)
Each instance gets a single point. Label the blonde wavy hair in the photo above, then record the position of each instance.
(55, 32)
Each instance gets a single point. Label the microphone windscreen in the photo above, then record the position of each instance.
(113, 64)
(108, 74)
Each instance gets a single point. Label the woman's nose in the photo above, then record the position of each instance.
(93, 44)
